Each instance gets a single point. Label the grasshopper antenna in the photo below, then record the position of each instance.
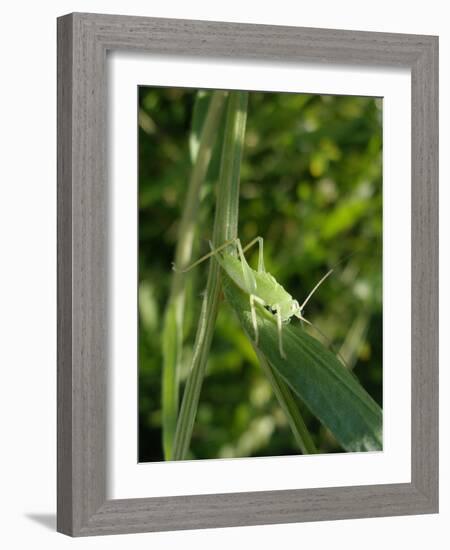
(315, 288)
(327, 340)
(323, 279)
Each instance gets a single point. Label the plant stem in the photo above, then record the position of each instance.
(173, 319)
(225, 228)
(289, 406)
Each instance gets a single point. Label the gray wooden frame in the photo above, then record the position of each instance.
(83, 40)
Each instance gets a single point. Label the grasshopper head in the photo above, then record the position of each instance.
(297, 310)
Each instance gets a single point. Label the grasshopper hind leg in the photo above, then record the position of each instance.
(260, 242)
(258, 300)
(280, 331)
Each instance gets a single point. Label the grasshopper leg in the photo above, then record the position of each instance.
(254, 299)
(213, 252)
(280, 330)
(260, 242)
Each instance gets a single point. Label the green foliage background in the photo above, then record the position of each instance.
(311, 186)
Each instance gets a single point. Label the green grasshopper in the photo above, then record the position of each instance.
(261, 286)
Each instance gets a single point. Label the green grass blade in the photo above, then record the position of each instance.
(287, 403)
(331, 392)
(205, 125)
(225, 228)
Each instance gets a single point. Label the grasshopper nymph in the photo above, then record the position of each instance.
(261, 286)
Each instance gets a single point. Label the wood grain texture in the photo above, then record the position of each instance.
(64, 298)
(424, 275)
(83, 40)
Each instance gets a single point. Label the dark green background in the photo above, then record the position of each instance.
(311, 186)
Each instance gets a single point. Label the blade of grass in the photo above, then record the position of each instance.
(288, 405)
(172, 337)
(355, 336)
(225, 228)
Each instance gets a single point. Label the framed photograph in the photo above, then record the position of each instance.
(247, 274)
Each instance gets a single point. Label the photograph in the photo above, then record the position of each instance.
(260, 274)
